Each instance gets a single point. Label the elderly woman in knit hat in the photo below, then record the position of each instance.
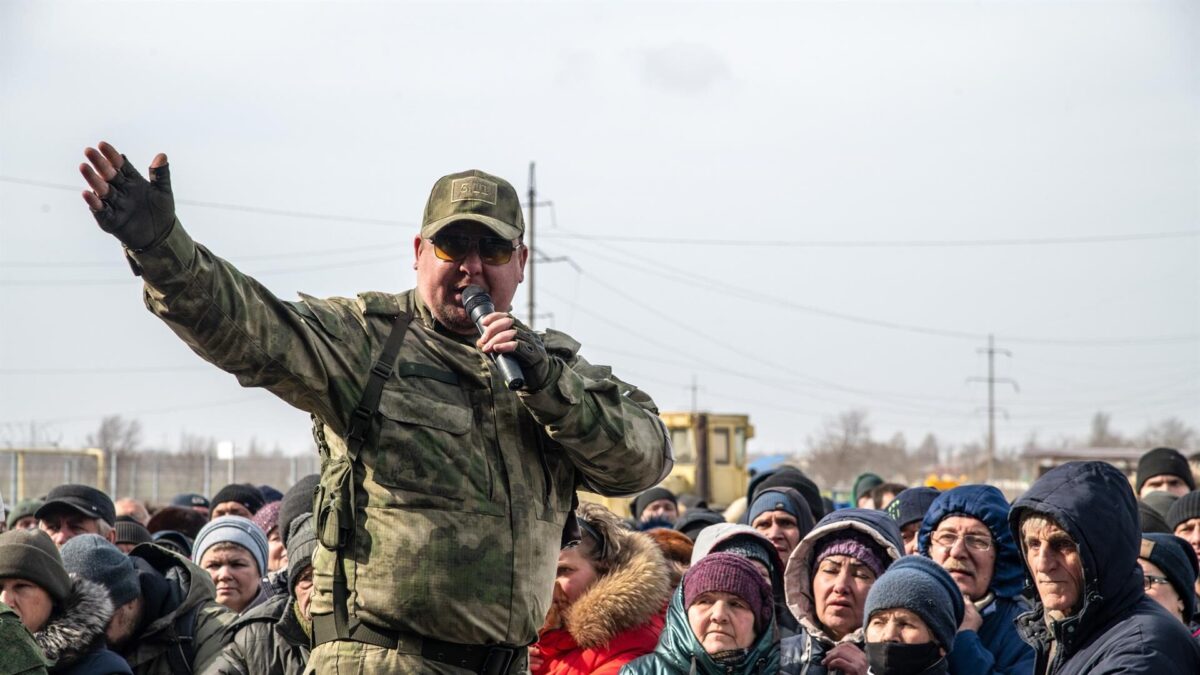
(754, 546)
(67, 616)
(826, 581)
(233, 550)
(608, 602)
(913, 613)
(719, 621)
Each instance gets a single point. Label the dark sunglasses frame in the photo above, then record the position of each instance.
(455, 247)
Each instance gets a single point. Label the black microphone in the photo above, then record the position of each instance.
(478, 304)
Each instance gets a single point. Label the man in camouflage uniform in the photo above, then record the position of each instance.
(439, 541)
(19, 653)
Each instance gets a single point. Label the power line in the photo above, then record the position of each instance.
(687, 241)
(287, 213)
(656, 268)
(881, 243)
(240, 258)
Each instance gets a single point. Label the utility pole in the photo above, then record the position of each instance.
(529, 231)
(991, 380)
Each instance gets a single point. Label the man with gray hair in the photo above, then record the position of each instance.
(71, 510)
(1078, 533)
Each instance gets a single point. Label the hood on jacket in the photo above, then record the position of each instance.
(634, 590)
(78, 628)
(988, 505)
(1094, 503)
(797, 579)
(787, 476)
(171, 585)
(679, 648)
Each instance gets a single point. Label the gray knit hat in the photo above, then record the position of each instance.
(921, 586)
(92, 557)
(31, 555)
(237, 530)
(302, 543)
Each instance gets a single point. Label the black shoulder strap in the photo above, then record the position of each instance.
(360, 419)
(356, 437)
(181, 653)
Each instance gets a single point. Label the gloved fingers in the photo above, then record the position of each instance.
(110, 153)
(92, 201)
(95, 181)
(492, 339)
(160, 172)
(126, 174)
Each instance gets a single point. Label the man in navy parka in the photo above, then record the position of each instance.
(1112, 627)
(995, 647)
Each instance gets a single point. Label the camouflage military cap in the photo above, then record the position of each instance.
(476, 196)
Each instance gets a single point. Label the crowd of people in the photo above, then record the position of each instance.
(1084, 573)
(445, 535)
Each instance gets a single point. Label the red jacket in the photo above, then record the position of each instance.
(616, 620)
(562, 656)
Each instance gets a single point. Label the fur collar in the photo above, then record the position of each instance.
(74, 630)
(628, 596)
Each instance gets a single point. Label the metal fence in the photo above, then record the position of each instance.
(152, 476)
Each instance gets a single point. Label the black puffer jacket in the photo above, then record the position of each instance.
(73, 639)
(266, 640)
(1117, 629)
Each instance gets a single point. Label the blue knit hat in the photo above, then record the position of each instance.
(921, 586)
(237, 530)
(1177, 560)
(94, 558)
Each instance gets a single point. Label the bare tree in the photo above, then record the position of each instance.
(1171, 432)
(1102, 435)
(116, 434)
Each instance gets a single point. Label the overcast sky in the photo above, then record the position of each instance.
(694, 154)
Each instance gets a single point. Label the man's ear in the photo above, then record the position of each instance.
(111, 536)
(417, 242)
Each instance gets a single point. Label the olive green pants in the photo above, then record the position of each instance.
(345, 657)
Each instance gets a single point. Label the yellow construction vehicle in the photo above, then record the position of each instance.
(710, 459)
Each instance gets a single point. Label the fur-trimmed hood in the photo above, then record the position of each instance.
(633, 591)
(78, 627)
(798, 574)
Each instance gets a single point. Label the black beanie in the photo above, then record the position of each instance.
(297, 500)
(649, 496)
(795, 479)
(1184, 509)
(1160, 461)
(242, 493)
(1177, 560)
(910, 505)
(1151, 520)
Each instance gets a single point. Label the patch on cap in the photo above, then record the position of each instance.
(473, 188)
(1147, 548)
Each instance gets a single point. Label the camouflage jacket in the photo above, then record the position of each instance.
(19, 654)
(462, 490)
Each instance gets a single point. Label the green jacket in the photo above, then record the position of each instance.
(680, 653)
(183, 617)
(459, 498)
(267, 640)
(19, 654)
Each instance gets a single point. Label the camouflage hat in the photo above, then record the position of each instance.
(474, 195)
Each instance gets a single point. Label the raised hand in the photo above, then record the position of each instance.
(136, 211)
